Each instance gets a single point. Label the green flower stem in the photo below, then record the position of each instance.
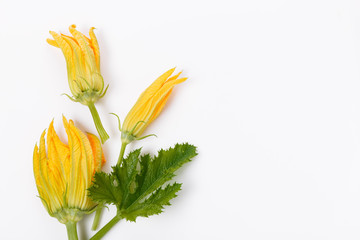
(103, 136)
(99, 127)
(122, 151)
(71, 230)
(97, 217)
(106, 228)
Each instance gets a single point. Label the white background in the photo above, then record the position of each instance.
(272, 102)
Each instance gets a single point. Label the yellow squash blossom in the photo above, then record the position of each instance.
(64, 172)
(149, 105)
(82, 57)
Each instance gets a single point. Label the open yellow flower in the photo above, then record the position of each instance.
(82, 57)
(149, 105)
(64, 172)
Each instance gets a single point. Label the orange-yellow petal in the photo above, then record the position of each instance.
(99, 159)
(95, 47)
(52, 42)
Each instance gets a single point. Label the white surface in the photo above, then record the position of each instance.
(272, 102)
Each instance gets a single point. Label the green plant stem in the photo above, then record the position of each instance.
(103, 136)
(71, 230)
(106, 228)
(97, 217)
(99, 127)
(122, 151)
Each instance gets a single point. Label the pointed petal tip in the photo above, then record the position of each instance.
(65, 121)
(179, 73)
(51, 123)
(43, 134)
(52, 33)
(170, 71)
(180, 80)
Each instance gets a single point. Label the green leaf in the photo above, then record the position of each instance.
(154, 204)
(104, 189)
(126, 175)
(136, 186)
(161, 169)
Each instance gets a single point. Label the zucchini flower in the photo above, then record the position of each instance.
(147, 108)
(82, 57)
(64, 172)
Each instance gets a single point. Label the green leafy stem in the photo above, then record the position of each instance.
(136, 187)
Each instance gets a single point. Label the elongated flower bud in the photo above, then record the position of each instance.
(82, 57)
(64, 172)
(149, 105)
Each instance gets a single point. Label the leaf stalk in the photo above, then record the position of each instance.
(106, 228)
(97, 217)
